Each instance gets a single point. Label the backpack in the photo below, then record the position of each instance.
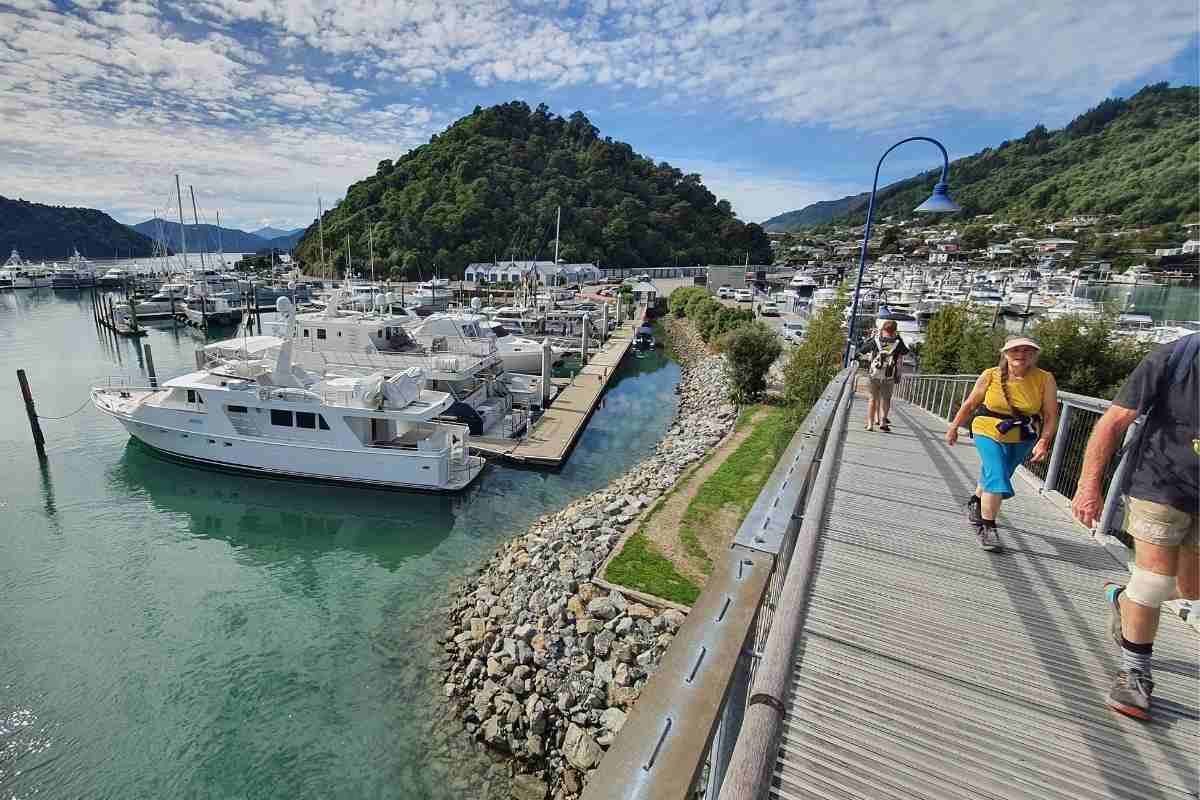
(883, 363)
(1182, 356)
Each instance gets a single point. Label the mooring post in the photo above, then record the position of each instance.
(150, 365)
(39, 441)
(547, 370)
(603, 322)
(583, 340)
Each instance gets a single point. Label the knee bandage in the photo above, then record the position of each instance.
(1149, 588)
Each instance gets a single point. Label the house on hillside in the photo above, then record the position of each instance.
(1064, 246)
(995, 251)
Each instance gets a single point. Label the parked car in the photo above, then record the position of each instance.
(725, 291)
(744, 296)
(769, 308)
(793, 331)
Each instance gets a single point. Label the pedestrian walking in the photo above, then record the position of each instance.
(1013, 412)
(1162, 506)
(885, 351)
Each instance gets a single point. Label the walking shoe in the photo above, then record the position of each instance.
(989, 538)
(1130, 694)
(883, 426)
(887, 421)
(974, 514)
(1114, 610)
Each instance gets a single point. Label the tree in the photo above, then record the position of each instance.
(750, 350)
(816, 360)
(958, 341)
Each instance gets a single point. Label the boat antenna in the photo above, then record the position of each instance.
(321, 234)
(220, 246)
(182, 230)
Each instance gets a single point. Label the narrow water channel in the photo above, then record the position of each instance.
(169, 631)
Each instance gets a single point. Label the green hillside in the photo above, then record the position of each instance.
(819, 213)
(1139, 158)
(487, 188)
(48, 233)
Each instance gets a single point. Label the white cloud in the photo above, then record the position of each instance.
(266, 98)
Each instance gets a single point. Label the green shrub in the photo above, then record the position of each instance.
(959, 341)
(679, 299)
(816, 360)
(1084, 355)
(695, 303)
(750, 350)
(701, 314)
(726, 320)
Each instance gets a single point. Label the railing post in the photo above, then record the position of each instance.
(1132, 436)
(942, 395)
(1060, 447)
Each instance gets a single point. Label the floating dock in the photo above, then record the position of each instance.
(556, 430)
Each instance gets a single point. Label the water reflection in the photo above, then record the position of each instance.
(272, 520)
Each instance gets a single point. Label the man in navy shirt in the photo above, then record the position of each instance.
(1162, 504)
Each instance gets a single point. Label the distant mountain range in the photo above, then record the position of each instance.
(210, 238)
(820, 213)
(50, 233)
(276, 233)
(1136, 157)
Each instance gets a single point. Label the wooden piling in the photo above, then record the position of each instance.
(150, 365)
(39, 441)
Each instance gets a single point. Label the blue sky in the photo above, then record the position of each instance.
(263, 104)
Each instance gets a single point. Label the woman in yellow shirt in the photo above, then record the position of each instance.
(1013, 411)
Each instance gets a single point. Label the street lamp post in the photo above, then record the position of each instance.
(938, 203)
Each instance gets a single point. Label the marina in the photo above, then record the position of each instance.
(246, 635)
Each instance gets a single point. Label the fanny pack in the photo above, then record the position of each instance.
(1029, 425)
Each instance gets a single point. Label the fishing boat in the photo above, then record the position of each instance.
(276, 419)
(643, 340)
(113, 278)
(76, 273)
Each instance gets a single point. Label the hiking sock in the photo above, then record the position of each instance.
(1136, 656)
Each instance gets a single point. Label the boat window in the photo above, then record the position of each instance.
(306, 419)
(322, 423)
(194, 397)
(306, 333)
(320, 333)
(281, 418)
(237, 409)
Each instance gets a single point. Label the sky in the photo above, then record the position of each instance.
(264, 105)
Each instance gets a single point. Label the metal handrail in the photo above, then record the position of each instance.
(689, 713)
(943, 395)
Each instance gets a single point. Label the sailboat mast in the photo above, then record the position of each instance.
(321, 234)
(371, 247)
(220, 247)
(196, 220)
(557, 230)
(182, 232)
(349, 260)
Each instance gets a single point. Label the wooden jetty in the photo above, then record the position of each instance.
(555, 431)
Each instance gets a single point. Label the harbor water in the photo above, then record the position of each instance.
(171, 631)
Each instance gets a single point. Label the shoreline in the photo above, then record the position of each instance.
(540, 663)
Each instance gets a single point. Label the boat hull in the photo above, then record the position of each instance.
(277, 459)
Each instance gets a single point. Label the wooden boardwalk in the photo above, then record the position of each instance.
(928, 668)
(550, 439)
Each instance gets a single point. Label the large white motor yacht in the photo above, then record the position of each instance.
(276, 419)
(20, 274)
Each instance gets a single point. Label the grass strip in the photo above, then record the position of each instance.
(640, 566)
(734, 486)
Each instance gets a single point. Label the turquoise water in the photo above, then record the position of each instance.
(170, 631)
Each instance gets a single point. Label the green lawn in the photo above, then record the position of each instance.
(726, 496)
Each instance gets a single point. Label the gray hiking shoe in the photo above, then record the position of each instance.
(974, 515)
(1130, 694)
(1114, 612)
(989, 538)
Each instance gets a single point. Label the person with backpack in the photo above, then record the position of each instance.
(1013, 412)
(1162, 506)
(884, 351)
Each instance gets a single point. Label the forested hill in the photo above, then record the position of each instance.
(819, 213)
(487, 188)
(48, 233)
(1137, 157)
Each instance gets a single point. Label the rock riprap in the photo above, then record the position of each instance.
(541, 663)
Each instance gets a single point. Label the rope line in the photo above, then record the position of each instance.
(73, 413)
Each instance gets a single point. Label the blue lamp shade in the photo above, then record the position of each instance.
(939, 202)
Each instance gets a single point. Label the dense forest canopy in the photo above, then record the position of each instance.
(1139, 158)
(48, 233)
(488, 187)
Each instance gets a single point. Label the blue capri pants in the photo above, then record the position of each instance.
(999, 460)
